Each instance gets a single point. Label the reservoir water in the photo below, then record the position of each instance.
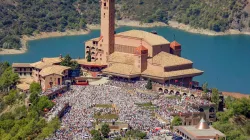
(225, 59)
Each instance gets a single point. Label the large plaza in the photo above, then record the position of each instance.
(122, 102)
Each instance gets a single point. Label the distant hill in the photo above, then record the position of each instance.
(18, 17)
(217, 15)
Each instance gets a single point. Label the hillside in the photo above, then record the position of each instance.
(18, 17)
(208, 14)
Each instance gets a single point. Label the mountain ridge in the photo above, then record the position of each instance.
(16, 18)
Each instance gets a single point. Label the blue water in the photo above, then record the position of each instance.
(225, 59)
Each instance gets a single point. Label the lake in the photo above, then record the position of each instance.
(225, 59)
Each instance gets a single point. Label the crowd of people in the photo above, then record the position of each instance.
(78, 121)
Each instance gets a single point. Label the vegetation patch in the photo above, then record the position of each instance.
(106, 116)
(235, 121)
(173, 97)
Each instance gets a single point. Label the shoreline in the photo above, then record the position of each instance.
(119, 23)
(24, 39)
(180, 26)
(235, 95)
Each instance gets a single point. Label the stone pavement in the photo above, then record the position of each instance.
(162, 137)
(102, 81)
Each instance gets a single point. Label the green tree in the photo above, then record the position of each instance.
(3, 66)
(35, 89)
(97, 136)
(105, 130)
(215, 97)
(136, 134)
(11, 97)
(205, 87)
(149, 84)
(141, 135)
(89, 57)
(176, 121)
(93, 132)
(8, 79)
(242, 107)
(52, 126)
(82, 24)
(43, 103)
(67, 61)
(118, 138)
(224, 116)
(20, 112)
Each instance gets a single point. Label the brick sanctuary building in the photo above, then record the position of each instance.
(136, 53)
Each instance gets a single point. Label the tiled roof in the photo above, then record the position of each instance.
(45, 62)
(141, 49)
(55, 69)
(182, 73)
(26, 80)
(52, 60)
(122, 69)
(195, 133)
(165, 59)
(152, 39)
(175, 45)
(23, 65)
(85, 62)
(23, 86)
(119, 57)
(172, 74)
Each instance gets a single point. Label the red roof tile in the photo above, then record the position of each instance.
(100, 38)
(175, 45)
(140, 49)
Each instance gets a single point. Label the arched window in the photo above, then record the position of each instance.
(160, 90)
(166, 91)
(211, 109)
(201, 110)
(171, 92)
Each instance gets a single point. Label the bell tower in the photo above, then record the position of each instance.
(107, 29)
